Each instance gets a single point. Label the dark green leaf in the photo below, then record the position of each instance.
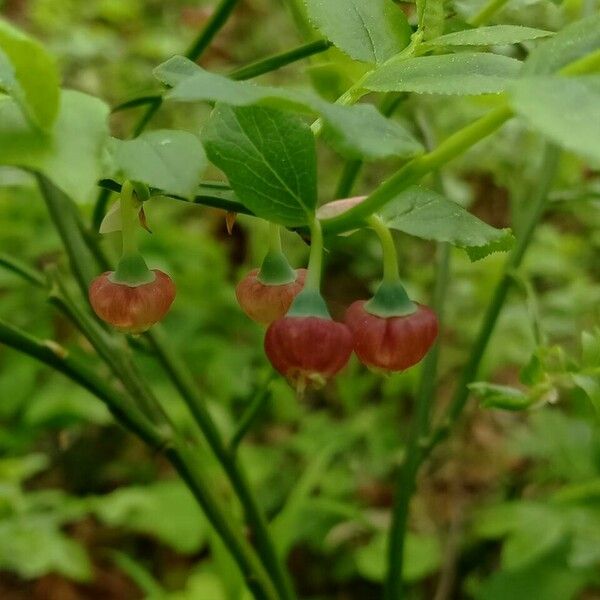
(565, 110)
(172, 161)
(423, 213)
(29, 74)
(372, 31)
(569, 44)
(71, 154)
(355, 131)
(269, 158)
(489, 36)
(461, 74)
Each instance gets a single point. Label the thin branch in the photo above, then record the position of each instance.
(538, 206)
(59, 358)
(248, 418)
(276, 61)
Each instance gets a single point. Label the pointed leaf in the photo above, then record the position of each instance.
(29, 74)
(569, 44)
(355, 131)
(372, 31)
(423, 213)
(269, 158)
(172, 161)
(489, 36)
(565, 110)
(462, 74)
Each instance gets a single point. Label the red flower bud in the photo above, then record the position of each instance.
(132, 309)
(393, 343)
(267, 303)
(308, 350)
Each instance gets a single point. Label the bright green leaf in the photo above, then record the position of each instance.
(269, 158)
(565, 110)
(143, 509)
(460, 74)
(71, 154)
(500, 396)
(590, 384)
(489, 36)
(569, 44)
(423, 213)
(172, 161)
(590, 349)
(35, 546)
(356, 131)
(431, 16)
(29, 74)
(372, 31)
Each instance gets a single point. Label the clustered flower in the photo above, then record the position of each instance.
(387, 333)
(309, 350)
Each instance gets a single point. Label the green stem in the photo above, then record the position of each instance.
(414, 170)
(66, 220)
(257, 578)
(461, 395)
(272, 63)
(184, 383)
(217, 19)
(406, 482)
(352, 168)
(274, 237)
(391, 273)
(128, 221)
(60, 359)
(250, 415)
(22, 269)
(488, 10)
(315, 260)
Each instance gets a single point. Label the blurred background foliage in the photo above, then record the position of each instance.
(508, 508)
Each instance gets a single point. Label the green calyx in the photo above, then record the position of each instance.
(276, 270)
(390, 300)
(309, 303)
(132, 271)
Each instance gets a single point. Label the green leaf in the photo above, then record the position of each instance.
(460, 74)
(143, 509)
(423, 557)
(590, 349)
(35, 546)
(489, 36)
(269, 158)
(590, 384)
(172, 161)
(549, 578)
(287, 526)
(423, 213)
(500, 396)
(565, 110)
(71, 154)
(569, 44)
(355, 131)
(29, 74)
(372, 31)
(431, 16)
